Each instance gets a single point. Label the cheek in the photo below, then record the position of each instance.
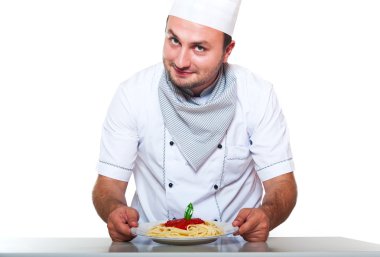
(169, 52)
(204, 62)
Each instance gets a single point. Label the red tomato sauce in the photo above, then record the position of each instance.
(182, 223)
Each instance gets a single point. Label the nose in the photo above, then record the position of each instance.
(183, 59)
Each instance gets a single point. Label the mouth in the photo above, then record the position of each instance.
(181, 72)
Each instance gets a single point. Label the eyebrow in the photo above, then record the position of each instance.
(170, 31)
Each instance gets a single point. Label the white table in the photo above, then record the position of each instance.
(229, 246)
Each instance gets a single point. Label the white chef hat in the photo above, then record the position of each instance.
(216, 14)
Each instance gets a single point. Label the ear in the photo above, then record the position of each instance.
(229, 49)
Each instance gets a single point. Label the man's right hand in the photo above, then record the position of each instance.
(120, 221)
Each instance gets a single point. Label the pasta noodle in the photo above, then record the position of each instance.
(193, 230)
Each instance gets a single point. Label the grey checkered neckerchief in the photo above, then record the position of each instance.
(198, 129)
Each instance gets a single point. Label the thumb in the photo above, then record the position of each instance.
(132, 217)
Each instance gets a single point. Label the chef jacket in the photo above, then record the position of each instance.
(135, 141)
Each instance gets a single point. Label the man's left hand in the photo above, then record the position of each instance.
(253, 223)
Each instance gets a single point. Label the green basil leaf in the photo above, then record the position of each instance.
(189, 211)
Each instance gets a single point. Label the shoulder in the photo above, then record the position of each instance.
(144, 80)
(140, 88)
(247, 80)
(145, 76)
(253, 91)
(254, 94)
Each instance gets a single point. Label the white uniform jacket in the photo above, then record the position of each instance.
(135, 140)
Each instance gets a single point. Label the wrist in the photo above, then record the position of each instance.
(114, 206)
(268, 212)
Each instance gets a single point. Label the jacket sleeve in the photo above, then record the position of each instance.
(119, 141)
(270, 146)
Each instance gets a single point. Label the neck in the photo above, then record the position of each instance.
(196, 92)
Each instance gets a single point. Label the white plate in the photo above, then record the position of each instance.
(143, 229)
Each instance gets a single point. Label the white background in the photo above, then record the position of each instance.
(61, 62)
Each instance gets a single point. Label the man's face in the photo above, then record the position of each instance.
(193, 54)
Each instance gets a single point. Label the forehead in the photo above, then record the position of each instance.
(193, 32)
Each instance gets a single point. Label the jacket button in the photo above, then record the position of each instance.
(250, 142)
(220, 146)
(215, 219)
(171, 143)
(216, 187)
(170, 185)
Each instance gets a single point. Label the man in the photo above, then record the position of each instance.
(198, 130)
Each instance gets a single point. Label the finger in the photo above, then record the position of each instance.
(256, 237)
(114, 232)
(240, 220)
(256, 227)
(122, 231)
(241, 217)
(249, 225)
(132, 217)
(260, 235)
(118, 237)
(118, 226)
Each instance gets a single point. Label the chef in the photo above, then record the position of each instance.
(196, 129)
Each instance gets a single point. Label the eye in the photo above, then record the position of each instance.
(199, 48)
(174, 41)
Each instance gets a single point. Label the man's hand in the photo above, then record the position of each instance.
(278, 202)
(120, 221)
(253, 224)
(110, 203)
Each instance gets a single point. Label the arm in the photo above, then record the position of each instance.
(279, 200)
(109, 200)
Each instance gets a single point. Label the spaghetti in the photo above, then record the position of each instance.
(185, 228)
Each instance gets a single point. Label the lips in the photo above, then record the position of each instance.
(182, 73)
